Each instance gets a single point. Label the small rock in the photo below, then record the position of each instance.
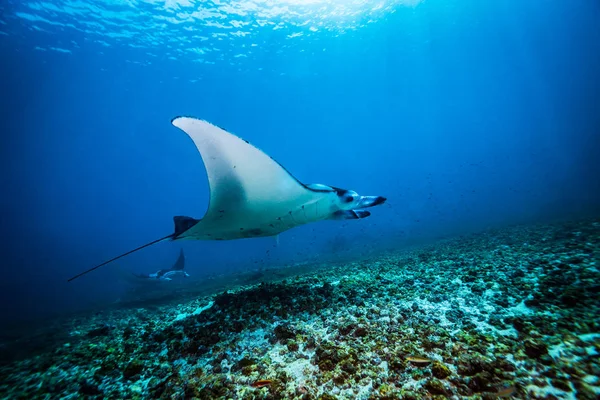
(89, 389)
(434, 386)
(561, 384)
(284, 332)
(100, 331)
(439, 370)
(346, 329)
(133, 368)
(244, 362)
(292, 345)
(535, 349)
(360, 331)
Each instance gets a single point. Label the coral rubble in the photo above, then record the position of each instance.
(512, 312)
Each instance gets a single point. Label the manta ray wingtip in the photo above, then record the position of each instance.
(175, 119)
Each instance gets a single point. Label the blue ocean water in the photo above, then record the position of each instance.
(464, 114)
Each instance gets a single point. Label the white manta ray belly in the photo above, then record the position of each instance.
(268, 220)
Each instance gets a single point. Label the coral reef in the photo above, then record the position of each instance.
(510, 312)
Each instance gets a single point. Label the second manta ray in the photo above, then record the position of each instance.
(251, 195)
(166, 274)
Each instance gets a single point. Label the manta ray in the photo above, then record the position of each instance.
(166, 274)
(251, 194)
(157, 278)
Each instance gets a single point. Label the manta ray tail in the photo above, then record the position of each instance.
(182, 224)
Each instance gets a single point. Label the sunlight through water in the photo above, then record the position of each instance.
(201, 31)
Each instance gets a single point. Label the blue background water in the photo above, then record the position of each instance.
(465, 114)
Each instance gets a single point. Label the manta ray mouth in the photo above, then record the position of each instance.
(371, 201)
(361, 213)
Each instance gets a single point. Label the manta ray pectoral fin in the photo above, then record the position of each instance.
(248, 189)
(350, 214)
(180, 263)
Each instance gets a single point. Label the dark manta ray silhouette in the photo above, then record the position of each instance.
(251, 195)
(167, 274)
